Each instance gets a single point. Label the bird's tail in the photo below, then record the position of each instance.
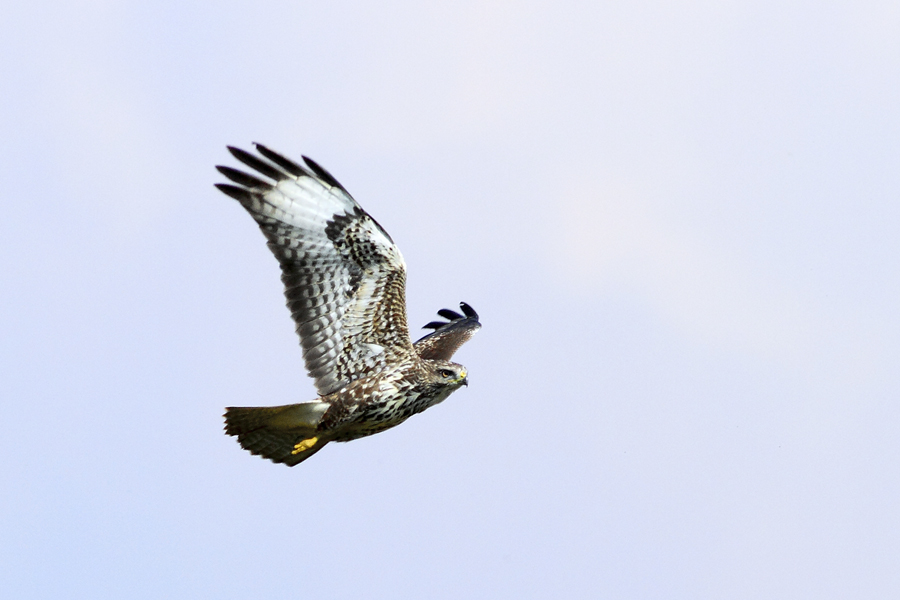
(283, 434)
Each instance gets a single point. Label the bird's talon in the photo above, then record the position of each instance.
(304, 445)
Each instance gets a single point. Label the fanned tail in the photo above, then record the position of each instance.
(283, 434)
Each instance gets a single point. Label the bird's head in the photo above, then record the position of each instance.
(444, 373)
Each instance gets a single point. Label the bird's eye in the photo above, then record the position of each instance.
(446, 373)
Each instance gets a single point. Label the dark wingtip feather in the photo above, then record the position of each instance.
(244, 179)
(239, 194)
(322, 173)
(453, 316)
(468, 310)
(285, 163)
(255, 163)
(449, 314)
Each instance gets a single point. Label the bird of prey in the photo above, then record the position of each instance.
(345, 283)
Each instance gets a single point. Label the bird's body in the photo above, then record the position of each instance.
(345, 282)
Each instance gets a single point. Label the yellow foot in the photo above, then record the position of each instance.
(304, 445)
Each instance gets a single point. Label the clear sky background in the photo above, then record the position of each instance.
(680, 223)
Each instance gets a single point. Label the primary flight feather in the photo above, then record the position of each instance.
(345, 283)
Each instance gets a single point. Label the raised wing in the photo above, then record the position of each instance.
(447, 337)
(344, 279)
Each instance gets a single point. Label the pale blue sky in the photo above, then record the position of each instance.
(680, 223)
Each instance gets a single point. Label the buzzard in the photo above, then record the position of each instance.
(345, 283)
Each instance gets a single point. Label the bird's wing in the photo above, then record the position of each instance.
(447, 337)
(345, 280)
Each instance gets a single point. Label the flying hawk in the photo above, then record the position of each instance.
(345, 283)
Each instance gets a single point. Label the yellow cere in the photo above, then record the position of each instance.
(304, 445)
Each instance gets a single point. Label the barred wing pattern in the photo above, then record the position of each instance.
(345, 280)
(447, 337)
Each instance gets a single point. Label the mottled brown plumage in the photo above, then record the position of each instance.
(345, 283)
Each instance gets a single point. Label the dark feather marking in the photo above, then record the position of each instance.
(255, 163)
(337, 230)
(361, 212)
(244, 179)
(449, 314)
(286, 164)
(323, 174)
(239, 194)
(468, 310)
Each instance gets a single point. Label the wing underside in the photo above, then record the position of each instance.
(345, 279)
